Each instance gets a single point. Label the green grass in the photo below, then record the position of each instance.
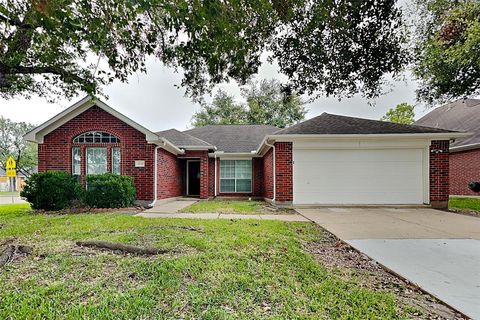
(8, 193)
(464, 204)
(232, 206)
(231, 270)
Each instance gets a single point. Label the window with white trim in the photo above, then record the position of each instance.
(96, 137)
(116, 160)
(76, 161)
(96, 162)
(236, 176)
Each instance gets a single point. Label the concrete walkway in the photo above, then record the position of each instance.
(169, 209)
(276, 217)
(439, 251)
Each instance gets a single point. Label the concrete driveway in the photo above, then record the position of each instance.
(437, 250)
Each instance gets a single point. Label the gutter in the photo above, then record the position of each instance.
(434, 135)
(465, 147)
(155, 177)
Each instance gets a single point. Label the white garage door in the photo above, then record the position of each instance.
(378, 176)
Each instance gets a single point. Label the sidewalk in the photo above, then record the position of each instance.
(276, 217)
(169, 209)
(11, 200)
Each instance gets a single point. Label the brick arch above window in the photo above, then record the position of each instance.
(95, 136)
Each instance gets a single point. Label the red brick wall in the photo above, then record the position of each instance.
(211, 176)
(204, 174)
(284, 171)
(464, 168)
(169, 170)
(439, 173)
(56, 151)
(268, 174)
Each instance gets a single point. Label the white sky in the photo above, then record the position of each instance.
(152, 100)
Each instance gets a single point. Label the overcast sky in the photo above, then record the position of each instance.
(152, 100)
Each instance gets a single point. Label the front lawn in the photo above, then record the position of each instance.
(221, 269)
(471, 205)
(235, 206)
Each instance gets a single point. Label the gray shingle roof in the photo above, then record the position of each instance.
(460, 115)
(233, 138)
(181, 139)
(334, 124)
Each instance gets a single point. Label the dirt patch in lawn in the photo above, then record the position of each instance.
(347, 262)
(465, 212)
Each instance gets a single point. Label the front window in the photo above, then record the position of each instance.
(116, 160)
(76, 161)
(96, 137)
(96, 162)
(236, 176)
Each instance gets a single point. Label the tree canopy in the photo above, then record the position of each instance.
(402, 113)
(60, 47)
(266, 103)
(447, 50)
(13, 144)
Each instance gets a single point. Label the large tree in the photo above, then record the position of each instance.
(402, 113)
(447, 49)
(13, 144)
(222, 110)
(266, 103)
(61, 47)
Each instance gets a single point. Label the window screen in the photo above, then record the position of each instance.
(96, 160)
(236, 176)
(116, 161)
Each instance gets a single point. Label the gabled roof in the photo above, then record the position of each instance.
(233, 138)
(37, 134)
(184, 140)
(334, 124)
(460, 115)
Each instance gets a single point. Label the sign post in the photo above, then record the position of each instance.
(11, 167)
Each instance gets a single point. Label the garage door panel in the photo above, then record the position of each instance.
(384, 176)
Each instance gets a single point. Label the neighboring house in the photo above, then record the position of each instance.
(461, 115)
(5, 181)
(329, 159)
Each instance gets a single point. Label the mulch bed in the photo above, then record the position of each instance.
(346, 261)
(82, 210)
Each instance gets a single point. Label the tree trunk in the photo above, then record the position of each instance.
(121, 247)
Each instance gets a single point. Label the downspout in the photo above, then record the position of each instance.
(274, 172)
(155, 177)
(215, 184)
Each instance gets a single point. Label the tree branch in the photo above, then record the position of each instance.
(66, 75)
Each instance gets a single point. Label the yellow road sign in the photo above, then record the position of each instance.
(11, 173)
(11, 165)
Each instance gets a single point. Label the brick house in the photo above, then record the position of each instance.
(464, 161)
(330, 159)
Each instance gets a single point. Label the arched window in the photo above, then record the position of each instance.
(96, 137)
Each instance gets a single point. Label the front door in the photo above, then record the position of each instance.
(193, 177)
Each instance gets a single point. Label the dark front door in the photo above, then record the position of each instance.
(193, 178)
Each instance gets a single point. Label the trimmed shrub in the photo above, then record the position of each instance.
(51, 190)
(110, 191)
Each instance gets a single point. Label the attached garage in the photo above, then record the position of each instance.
(338, 160)
(359, 176)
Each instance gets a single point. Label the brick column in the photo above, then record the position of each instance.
(284, 172)
(204, 175)
(439, 170)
